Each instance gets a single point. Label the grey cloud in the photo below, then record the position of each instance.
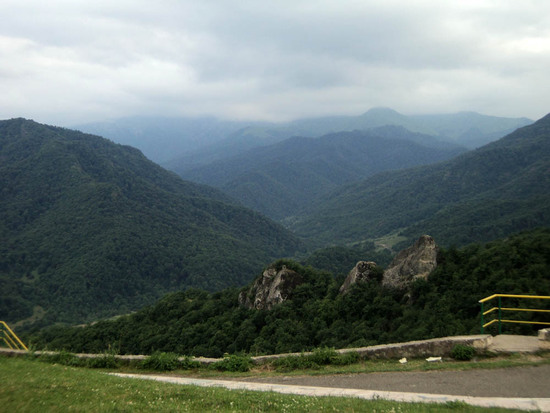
(76, 61)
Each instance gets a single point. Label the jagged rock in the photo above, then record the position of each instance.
(362, 271)
(272, 288)
(412, 263)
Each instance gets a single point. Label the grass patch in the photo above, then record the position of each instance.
(30, 386)
(389, 241)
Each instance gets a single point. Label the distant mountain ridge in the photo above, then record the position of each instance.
(280, 179)
(468, 129)
(186, 143)
(163, 138)
(91, 228)
(481, 195)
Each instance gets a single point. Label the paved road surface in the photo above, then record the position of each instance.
(533, 381)
(523, 388)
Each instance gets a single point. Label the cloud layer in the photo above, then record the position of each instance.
(70, 61)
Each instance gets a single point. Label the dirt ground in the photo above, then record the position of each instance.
(532, 381)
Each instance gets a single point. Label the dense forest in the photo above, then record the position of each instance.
(90, 229)
(280, 179)
(485, 194)
(195, 322)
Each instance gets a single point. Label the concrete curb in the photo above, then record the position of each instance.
(541, 404)
(413, 349)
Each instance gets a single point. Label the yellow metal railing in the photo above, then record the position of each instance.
(10, 338)
(500, 309)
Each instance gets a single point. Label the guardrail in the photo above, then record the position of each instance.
(10, 338)
(500, 309)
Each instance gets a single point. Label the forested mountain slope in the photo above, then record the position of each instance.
(316, 315)
(280, 179)
(481, 195)
(91, 228)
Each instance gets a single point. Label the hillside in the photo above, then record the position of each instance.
(481, 195)
(90, 228)
(316, 315)
(280, 179)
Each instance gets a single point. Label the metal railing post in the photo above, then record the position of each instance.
(482, 319)
(499, 316)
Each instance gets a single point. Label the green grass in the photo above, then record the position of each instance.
(389, 241)
(32, 386)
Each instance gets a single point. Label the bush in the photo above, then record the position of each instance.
(161, 362)
(187, 363)
(107, 361)
(346, 359)
(319, 357)
(323, 356)
(462, 352)
(233, 363)
(63, 357)
(295, 363)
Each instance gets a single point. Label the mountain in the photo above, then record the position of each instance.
(280, 179)
(470, 129)
(91, 228)
(184, 143)
(163, 138)
(235, 144)
(481, 195)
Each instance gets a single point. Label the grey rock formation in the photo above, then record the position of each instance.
(362, 271)
(273, 287)
(412, 263)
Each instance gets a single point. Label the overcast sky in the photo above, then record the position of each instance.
(71, 61)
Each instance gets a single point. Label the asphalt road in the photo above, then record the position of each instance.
(532, 382)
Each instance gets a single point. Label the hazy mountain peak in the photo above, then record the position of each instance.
(381, 110)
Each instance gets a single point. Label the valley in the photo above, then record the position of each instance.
(94, 229)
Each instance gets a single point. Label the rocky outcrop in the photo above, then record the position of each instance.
(412, 263)
(363, 271)
(273, 287)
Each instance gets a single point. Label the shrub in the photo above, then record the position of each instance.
(319, 357)
(63, 357)
(346, 359)
(107, 361)
(187, 363)
(161, 362)
(323, 356)
(289, 363)
(233, 363)
(463, 352)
